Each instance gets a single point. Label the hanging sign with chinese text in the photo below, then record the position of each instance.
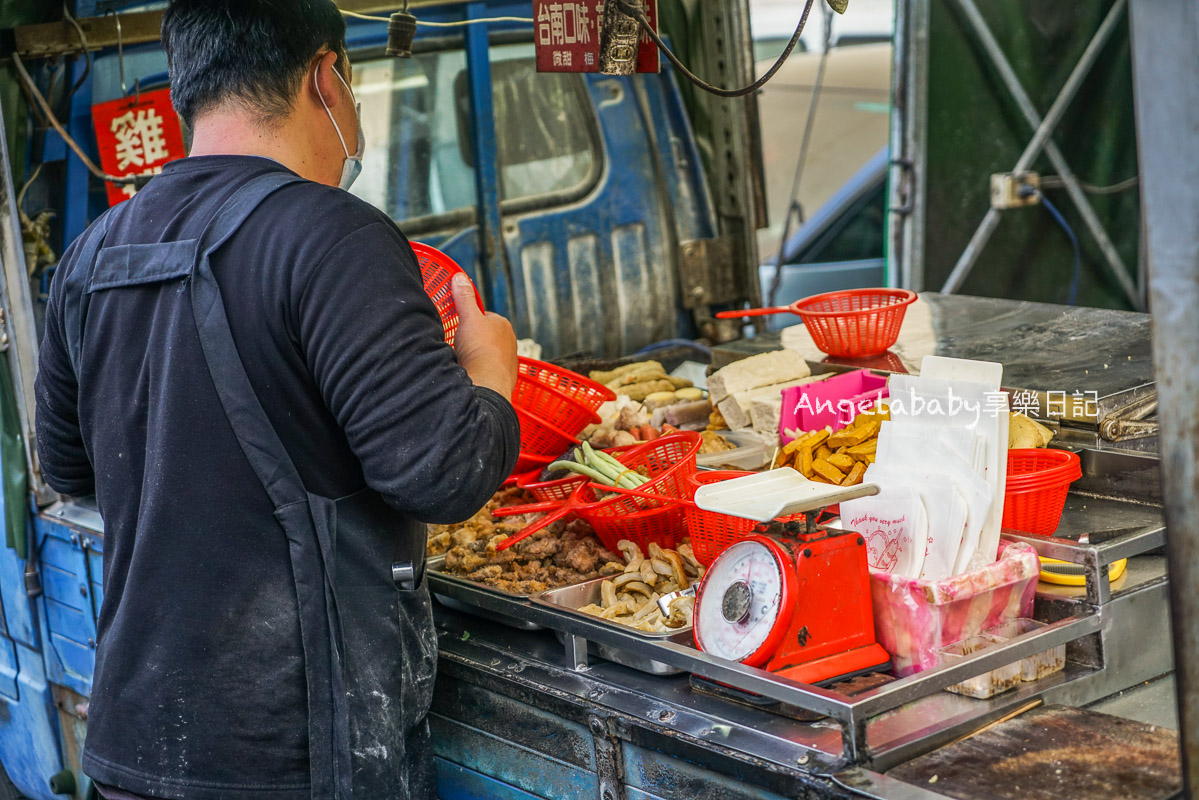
(136, 136)
(568, 36)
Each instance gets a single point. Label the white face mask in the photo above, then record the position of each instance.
(353, 163)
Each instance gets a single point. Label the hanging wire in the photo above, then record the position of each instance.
(87, 51)
(457, 24)
(32, 89)
(1055, 182)
(794, 207)
(639, 15)
(1061, 220)
(120, 50)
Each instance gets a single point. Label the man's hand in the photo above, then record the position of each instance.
(485, 343)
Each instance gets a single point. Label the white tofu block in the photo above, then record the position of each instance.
(738, 409)
(764, 369)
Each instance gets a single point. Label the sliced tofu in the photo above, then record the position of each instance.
(764, 369)
(740, 405)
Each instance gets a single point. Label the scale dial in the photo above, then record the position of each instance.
(744, 603)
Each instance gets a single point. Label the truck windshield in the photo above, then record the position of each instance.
(415, 114)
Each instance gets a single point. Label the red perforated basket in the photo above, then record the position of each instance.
(540, 437)
(558, 409)
(854, 323)
(1037, 484)
(562, 488)
(670, 461)
(583, 390)
(712, 533)
(436, 271)
(527, 462)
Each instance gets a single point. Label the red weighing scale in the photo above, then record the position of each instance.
(794, 599)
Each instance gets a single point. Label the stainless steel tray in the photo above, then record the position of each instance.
(442, 586)
(572, 598)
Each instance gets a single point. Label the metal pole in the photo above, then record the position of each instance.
(1164, 33)
(1029, 112)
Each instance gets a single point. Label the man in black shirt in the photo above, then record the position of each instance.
(241, 364)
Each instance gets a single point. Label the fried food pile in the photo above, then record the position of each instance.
(631, 598)
(838, 458)
(558, 555)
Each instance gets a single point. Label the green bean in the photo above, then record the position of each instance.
(582, 469)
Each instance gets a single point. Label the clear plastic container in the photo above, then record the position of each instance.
(750, 453)
(989, 684)
(1038, 665)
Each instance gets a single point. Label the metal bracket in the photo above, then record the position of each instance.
(1043, 128)
(1130, 422)
(704, 274)
(903, 187)
(609, 763)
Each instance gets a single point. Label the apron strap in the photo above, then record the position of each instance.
(307, 521)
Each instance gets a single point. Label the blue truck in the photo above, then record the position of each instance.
(582, 205)
(602, 214)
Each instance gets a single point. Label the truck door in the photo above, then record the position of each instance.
(593, 181)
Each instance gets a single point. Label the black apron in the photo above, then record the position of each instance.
(369, 645)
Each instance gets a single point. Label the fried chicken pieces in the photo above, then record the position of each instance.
(558, 555)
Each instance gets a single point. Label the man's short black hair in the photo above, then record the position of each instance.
(251, 52)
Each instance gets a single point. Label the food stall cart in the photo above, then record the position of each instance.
(549, 712)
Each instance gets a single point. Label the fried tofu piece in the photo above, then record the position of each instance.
(804, 461)
(840, 461)
(823, 452)
(861, 451)
(827, 471)
(855, 474)
(848, 437)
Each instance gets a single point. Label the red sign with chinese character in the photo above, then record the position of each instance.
(136, 136)
(568, 36)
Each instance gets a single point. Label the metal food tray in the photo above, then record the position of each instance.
(572, 598)
(441, 586)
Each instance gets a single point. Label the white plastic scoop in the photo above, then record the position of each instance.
(776, 493)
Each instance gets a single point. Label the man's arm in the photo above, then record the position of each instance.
(64, 460)
(434, 444)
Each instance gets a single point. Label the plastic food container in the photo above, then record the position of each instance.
(750, 453)
(1037, 484)
(855, 323)
(914, 619)
(989, 684)
(1038, 665)
(833, 402)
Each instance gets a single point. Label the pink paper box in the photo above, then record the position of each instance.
(913, 619)
(833, 402)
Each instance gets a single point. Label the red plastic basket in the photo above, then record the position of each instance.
(670, 461)
(1037, 484)
(527, 462)
(583, 390)
(712, 533)
(562, 488)
(855, 323)
(558, 409)
(539, 437)
(437, 270)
